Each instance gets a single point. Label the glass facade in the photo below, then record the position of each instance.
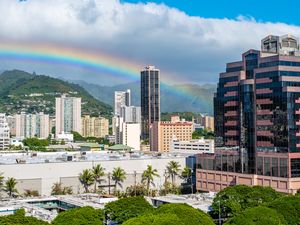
(150, 99)
(257, 116)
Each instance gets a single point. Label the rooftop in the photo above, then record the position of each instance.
(56, 157)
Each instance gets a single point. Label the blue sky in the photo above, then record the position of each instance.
(266, 11)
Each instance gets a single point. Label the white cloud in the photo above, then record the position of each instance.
(192, 47)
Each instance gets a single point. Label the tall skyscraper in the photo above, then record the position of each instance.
(31, 125)
(150, 99)
(122, 98)
(67, 115)
(257, 120)
(4, 133)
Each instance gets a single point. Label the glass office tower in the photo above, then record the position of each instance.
(257, 120)
(150, 99)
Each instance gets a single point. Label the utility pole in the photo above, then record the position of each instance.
(134, 173)
(109, 183)
(219, 213)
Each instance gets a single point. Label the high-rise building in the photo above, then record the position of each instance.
(94, 127)
(4, 133)
(257, 121)
(162, 133)
(31, 125)
(67, 115)
(122, 98)
(131, 114)
(150, 99)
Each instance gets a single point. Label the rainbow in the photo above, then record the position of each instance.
(96, 62)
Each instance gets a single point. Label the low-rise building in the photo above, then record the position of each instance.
(162, 133)
(194, 146)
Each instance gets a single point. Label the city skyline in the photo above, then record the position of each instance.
(188, 41)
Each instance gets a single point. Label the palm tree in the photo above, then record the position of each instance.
(148, 176)
(10, 186)
(186, 173)
(98, 172)
(173, 169)
(86, 179)
(118, 175)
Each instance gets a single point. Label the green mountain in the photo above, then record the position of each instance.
(22, 91)
(174, 98)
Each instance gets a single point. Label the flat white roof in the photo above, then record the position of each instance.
(54, 157)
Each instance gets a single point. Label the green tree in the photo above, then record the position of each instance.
(186, 174)
(260, 215)
(80, 216)
(86, 179)
(10, 186)
(126, 208)
(118, 176)
(148, 177)
(19, 218)
(235, 199)
(173, 168)
(98, 172)
(77, 136)
(289, 207)
(172, 214)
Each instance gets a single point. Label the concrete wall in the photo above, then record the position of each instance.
(42, 176)
(208, 180)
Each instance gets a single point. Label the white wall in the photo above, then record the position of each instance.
(45, 174)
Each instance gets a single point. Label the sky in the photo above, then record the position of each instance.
(190, 41)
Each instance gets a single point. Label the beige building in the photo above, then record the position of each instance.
(67, 115)
(31, 125)
(94, 126)
(208, 123)
(162, 133)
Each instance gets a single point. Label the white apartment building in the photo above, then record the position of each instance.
(122, 98)
(67, 115)
(194, 146)
(4, 133)
(127, 133)
(31, 125)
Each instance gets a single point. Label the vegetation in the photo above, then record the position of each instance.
(31, 193)
(179, 214)
(148, 176)
(58, 189)
(78, 137)
(173, 170)
(80, 216)
(186, 174)
(203, 133)
(86, 179)
(19, 218)
(126, 208)
(288, 207)
(260, 215)
(98, 173)
(17, 87)
(10, 186)
(118, 176)
(36, 144)
(235, 199)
